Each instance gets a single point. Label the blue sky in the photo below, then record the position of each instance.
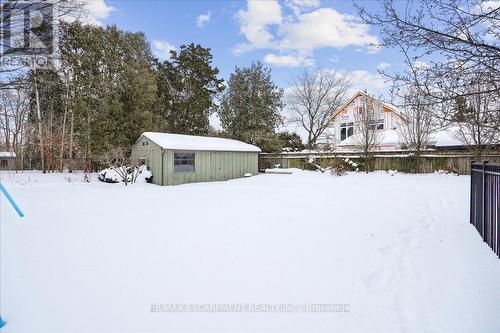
(286, 35)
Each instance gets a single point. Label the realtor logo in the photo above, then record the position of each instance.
(26, 28)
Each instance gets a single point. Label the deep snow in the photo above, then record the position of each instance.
(94, 257)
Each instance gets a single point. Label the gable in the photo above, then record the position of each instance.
(353, 100)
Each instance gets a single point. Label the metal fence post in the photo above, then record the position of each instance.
(472, 194)
(483, 196)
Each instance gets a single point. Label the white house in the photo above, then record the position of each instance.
(344, 128)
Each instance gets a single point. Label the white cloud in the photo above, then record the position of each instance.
(334, 59)
(363, 80)
(254, 23)
(288, 60)
(93, 12)
(300, 34)
(203, 18)
(298, 6)
(492, 32)
(324, 27)
(383, 66)
(489, 5)
(162, 49)
(419, 64)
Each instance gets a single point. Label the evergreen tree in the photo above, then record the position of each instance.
(291, 140)
(252, 104)
(187, 88)
(110, 76)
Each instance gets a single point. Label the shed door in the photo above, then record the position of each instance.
(216, 166)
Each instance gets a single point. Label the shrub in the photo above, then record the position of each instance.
(338, 168)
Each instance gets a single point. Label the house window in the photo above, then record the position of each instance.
(142, 161)
(380, 124)
(183, 162)
(3, 163)
(346, 130)
(377, 124)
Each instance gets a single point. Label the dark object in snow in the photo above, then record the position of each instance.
(108, 176)
(338, 168)
(450, 167)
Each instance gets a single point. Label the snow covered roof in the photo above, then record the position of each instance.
(203, 143)
(443, 138)
(7, 154)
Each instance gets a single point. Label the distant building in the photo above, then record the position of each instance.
(7, 160)
(344, 128)
(391, 140)
(177, 159)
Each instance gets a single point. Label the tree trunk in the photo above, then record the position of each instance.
(70, 167)
(63, 136)
(39, 119)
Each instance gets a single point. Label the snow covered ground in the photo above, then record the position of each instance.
(398, 251)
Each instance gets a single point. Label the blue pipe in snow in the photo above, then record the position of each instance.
(12, 202)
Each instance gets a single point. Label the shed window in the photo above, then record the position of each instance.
(183, 162)
(4, 163)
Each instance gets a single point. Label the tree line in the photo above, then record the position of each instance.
(106, 88)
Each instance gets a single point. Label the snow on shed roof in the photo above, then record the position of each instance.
(193, 142)
(7, 154)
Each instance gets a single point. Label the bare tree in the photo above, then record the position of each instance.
(314, 98)
(120, 160)
(473, 129)
(451, 39)
(416, 129)
(14, 109)
(366, 135)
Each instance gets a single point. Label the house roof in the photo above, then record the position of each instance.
(387, 105)
(443, 138)
(203, 143)
(7, 154)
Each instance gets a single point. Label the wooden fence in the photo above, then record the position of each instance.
(485, 202)
(402, 161)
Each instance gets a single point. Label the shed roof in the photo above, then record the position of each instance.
(7, 154)
(203, 143)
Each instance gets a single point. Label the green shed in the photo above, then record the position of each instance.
(177, 159)
(7, 160)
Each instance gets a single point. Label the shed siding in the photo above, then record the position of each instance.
(152, 154)
(209, 165)
(11, 164)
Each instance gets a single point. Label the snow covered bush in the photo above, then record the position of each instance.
(351, 165)
(126, 174)
(337, 166)
(108, 176)
(392, 172)
(122, 168)
(317, 165)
